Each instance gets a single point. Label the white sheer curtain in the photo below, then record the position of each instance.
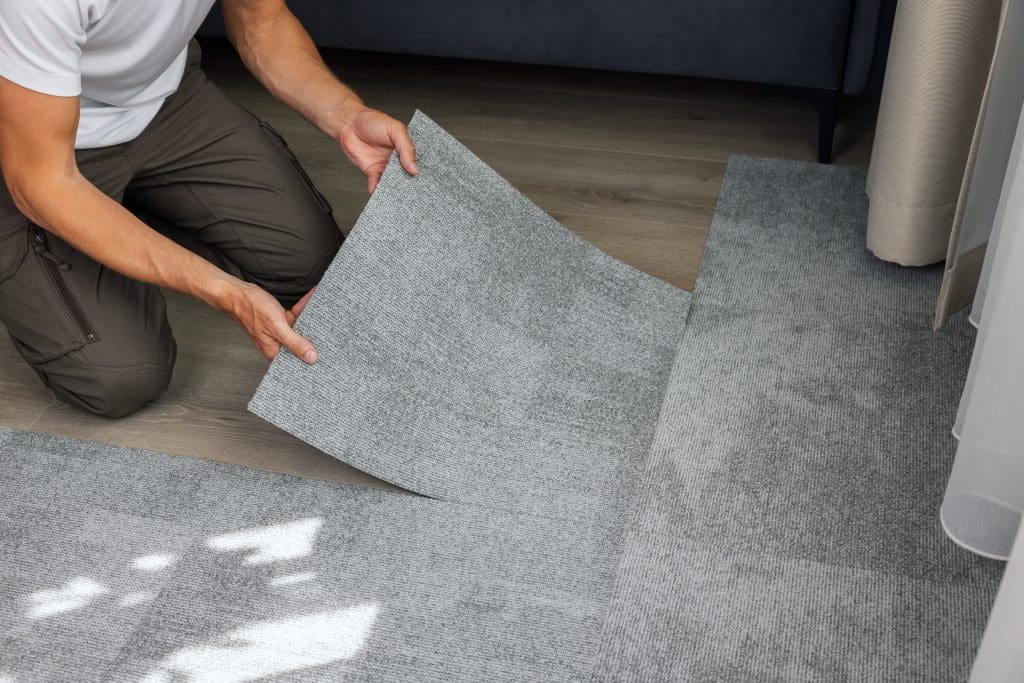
(1001, 655)
(984, 499)
(985, 496)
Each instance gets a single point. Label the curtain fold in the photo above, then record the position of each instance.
(1000, 656)
(983, 181)
(984, 500)
(985, 496)
(939, 63)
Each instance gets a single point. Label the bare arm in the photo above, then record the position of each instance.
(279, 52)
(37, 157)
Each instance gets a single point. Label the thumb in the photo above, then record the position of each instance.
(299, 346)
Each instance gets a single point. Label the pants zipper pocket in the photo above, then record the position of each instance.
(54, 268)
(317, 194)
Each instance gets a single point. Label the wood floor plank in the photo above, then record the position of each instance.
(615, 185)
(669, 252)
(661, 189)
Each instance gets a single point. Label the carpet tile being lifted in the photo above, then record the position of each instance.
(472, 349)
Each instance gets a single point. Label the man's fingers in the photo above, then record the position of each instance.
(269, 349)
(371, 181)
(299, 307)
(299, 346)
(406, 150)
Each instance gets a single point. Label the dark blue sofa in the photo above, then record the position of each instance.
(822, 48)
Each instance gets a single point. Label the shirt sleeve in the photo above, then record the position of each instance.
(41, 45)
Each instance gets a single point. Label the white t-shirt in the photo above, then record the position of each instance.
(123, 57)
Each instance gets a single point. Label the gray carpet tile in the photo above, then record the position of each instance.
(125, 565)
(788, 523)
(473, 349)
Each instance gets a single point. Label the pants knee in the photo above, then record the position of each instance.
(310, 261)
(107, 391)
(316, 255)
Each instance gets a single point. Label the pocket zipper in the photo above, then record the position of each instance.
(53, 267)
(307, 181)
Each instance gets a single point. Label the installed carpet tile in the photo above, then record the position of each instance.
(124, 565)
(787, 525)
(472, 349)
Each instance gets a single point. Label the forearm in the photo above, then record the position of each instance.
(104, 230)
(37, 163)
(281, 55)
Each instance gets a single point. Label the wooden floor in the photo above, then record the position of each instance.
(632, 163)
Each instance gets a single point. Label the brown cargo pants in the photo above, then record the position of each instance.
(206, 173)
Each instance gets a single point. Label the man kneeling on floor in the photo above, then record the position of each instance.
(103, 103)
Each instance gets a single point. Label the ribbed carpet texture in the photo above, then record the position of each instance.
(622, 483)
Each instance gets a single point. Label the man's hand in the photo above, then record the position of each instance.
(281, 55)
(297, 309)
(266, 322)
(368, 139)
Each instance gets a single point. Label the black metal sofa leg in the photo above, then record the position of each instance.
(827, 102)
